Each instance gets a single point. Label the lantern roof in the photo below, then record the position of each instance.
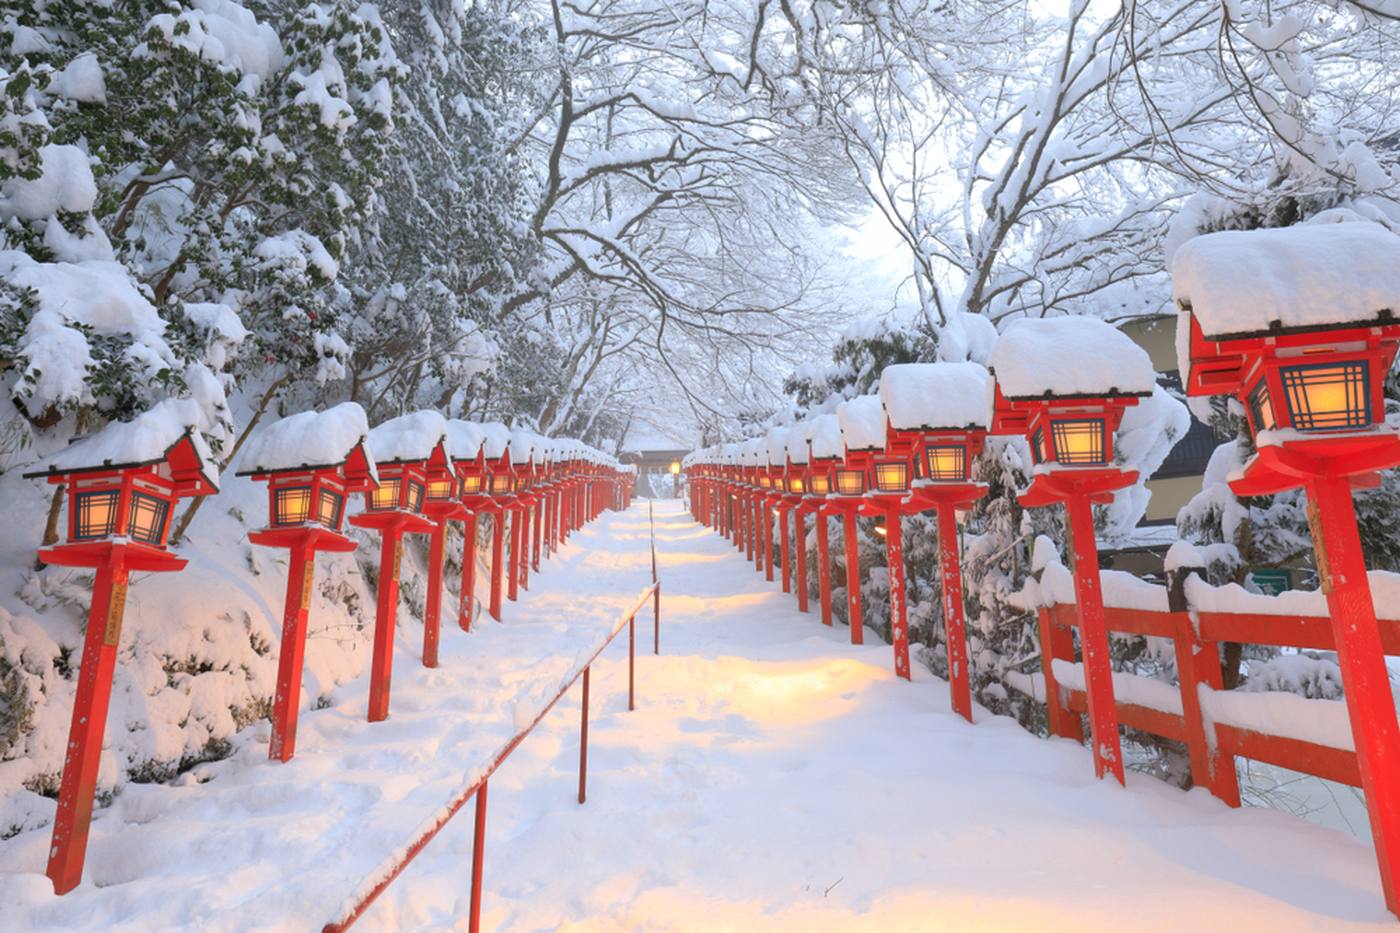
(465, 438)
(525, 445)
(167, 433)
(1070, 356)
(497, 439)
(415, 436)
(862, 423)
(774, 449)
(312, 440)
(937, 396)
(1241, 283)
(824, 434)
(795, 437)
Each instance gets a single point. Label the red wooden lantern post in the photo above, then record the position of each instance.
(306, 505)
(410, 452)
(540, 487)
(473, 492)
(522, 456)
(862, 434)
(1063, 384)
(825, 450)
(795, 442)
(1308, 362)
(122, 486)
(501, 478)
(775, 448)
(888, 497)
(939, 413)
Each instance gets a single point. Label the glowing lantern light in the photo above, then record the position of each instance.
(1063, 383)
(121, 487)
(1299, 324)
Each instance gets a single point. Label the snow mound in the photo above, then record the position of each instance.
(930, 396)
(464, 438)
(65, 184)
(496, 439)
(775, 446)
(862, 423)
(526, 446)
(824, 434)
(145, 439)
(307, 439)
(408, 437)
(1239, 282)
(1071, 355)
(795, 437)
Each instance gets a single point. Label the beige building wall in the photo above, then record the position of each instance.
(1156, 335)
(1169, 495)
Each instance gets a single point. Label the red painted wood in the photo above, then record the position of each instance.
(386, 611)
(1093, 639)
(853, 578)
(1370, 703)
(632, 662)
(1142, 718)
(823, 569)
(1198, 665)
(478, 860)
(799, 541)
(899, 610)
(1057, 642)
(767, 555)
(432, 610)
(784, 552)
(81, 762)
(541, 504)
(526, 520)
(954, 628)
(583, 743)
(498, 540)
(1333, 764)
(286, 702)
(513, 559)
(464, 603)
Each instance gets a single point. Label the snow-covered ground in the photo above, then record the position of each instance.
(772, 776)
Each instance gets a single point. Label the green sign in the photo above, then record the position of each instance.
(1272, 582)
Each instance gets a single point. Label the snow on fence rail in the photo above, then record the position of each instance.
(1217, 725)
(475, 785)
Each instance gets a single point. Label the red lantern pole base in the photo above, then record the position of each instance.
(513, 571)
(498, 543)
(899, 610)
(302, 544)
(853, 574)
(81, 763)
(1370, 703)
(823, 568)
(465, 600)
(800, 543)
(784, 548)
(392, 526)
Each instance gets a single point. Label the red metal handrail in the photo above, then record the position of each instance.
(380, 879)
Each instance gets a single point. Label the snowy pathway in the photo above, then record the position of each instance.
(772, 777)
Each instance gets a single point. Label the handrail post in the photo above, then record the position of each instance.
(478, 853)
(656, 616)
(583, 743)
(631, 662)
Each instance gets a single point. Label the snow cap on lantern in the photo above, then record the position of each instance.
(938, 413)
(466, 440)
(1063, 383)
(823, 435)
(124, 481)
(524, 446)
(495, 448)
(410, 452)
(1299, 323)
(794, 438)
(862, 435)
(311, 461)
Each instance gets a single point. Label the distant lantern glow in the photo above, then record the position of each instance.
(440, 489)
(385, 495)
(291, 505)
(795, 485)
(850, 481)
(471, 484)
(821, 484)
(501, 484)
(891, 476)
(675, 467)
(946, 462)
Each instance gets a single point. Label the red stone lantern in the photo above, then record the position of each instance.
(410, 452)
(825, 450)
(122, 486)
(780, 503)
(795, 449)
(311, 462)
(937, 414)
(522, 455)
(466, 441)
(1063, 383)
(1300, 325)
(863, 435)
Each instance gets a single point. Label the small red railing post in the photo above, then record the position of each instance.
(1057, 642)
(583, 743)
(631, 662)
(478, 855)
(656, 619)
